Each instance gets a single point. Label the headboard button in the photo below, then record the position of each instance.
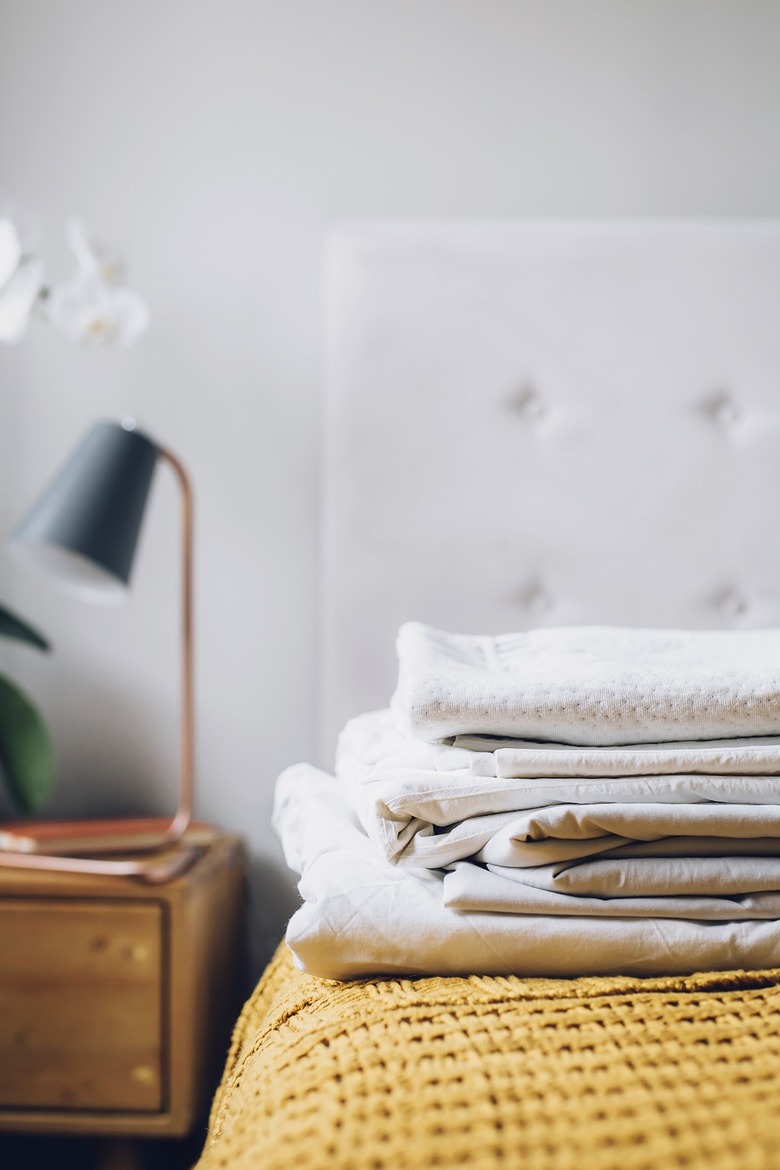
(731, 602)
(528, 403)
(535, 599)
(722, 409)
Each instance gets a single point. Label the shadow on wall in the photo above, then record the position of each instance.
(273, 899)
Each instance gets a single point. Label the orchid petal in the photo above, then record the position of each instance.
(93, 313)
(17, 298)
(93, 259)
(10, 251)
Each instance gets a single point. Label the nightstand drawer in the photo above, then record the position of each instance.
(81, 986)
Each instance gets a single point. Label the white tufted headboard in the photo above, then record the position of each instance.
(546, 424)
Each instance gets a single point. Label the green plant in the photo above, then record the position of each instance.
(26, 755)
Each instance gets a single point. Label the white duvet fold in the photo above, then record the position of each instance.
(362, 916)
(434, 804)
(589, 685)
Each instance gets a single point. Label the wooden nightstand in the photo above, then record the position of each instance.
(117, 997)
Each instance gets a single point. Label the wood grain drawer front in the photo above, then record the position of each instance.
(81, 1004)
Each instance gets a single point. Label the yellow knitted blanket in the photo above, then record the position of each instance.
(502, 1073)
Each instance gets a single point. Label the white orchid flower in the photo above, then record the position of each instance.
(21, 281)
(92, 313)
(93, 259)
(10, 250)
(92, 308)
(17, 299)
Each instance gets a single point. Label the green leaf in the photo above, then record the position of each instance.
(26, 755)
(12, 626)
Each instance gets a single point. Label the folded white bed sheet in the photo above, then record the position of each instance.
(434, 804)
(362, 916)
(589, 685)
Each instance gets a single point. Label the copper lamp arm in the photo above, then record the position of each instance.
(183, 817)
(150, 869)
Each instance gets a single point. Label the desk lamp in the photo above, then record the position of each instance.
(83, 532)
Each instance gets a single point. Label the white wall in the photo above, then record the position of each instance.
(217, 141)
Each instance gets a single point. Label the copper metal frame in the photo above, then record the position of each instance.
(182, 857)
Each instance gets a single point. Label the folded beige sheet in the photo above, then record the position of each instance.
(433, 804)
(563, 832)
(471, 888)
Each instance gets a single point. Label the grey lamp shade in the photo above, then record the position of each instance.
(84, 528)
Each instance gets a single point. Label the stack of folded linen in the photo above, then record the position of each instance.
(556, 802)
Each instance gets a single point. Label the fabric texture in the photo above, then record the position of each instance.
(361, 916)
(589, 685)
(504, 890)
(642, 848)
(492, 1073)
(566, 832)
(434, 804)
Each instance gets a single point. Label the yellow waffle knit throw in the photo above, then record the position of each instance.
(502, 1073)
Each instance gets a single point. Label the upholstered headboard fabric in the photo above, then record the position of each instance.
(546, 424)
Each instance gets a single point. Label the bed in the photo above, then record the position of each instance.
(530, 424)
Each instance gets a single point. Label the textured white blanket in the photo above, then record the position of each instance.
(363, 917)
(589, 685)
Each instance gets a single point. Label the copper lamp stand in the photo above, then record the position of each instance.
(177, 855)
